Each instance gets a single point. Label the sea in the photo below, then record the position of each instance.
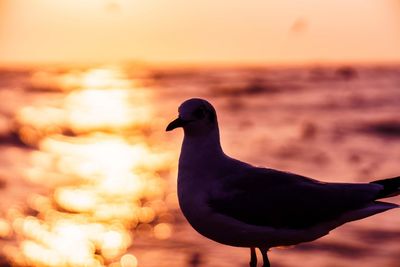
(88, 173)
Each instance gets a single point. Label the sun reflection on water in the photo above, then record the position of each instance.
(97, 108)
(103, 177)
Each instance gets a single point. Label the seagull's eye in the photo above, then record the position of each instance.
(199, 114)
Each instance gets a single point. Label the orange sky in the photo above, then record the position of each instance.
(255, 31)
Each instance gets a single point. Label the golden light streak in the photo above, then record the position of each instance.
(104, 183)
(103, 99)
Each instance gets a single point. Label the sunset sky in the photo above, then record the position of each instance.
(207, 31)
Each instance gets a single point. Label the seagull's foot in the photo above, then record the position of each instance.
(253, 257)
(264, 252)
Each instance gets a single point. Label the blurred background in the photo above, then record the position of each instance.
(87, 173)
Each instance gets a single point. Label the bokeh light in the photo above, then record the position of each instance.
(99, 173)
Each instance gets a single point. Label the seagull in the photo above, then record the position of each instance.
(238, 204)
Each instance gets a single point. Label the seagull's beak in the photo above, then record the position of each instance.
(175, 124)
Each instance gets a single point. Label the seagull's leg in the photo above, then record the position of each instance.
(253, 257)
(264, 252)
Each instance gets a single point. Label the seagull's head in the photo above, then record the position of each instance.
(196, 116)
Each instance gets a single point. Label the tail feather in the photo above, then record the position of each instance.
(391, 187)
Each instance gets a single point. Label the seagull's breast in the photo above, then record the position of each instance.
(194, 189)
(193, 201)
(192, 194)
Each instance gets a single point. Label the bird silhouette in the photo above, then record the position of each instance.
(237, 204)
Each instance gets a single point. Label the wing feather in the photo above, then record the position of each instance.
(284, 200)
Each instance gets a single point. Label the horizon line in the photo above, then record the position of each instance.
(200, 64)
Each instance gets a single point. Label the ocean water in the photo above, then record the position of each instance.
(88, 173)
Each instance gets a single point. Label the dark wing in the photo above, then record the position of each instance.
(283, 200)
